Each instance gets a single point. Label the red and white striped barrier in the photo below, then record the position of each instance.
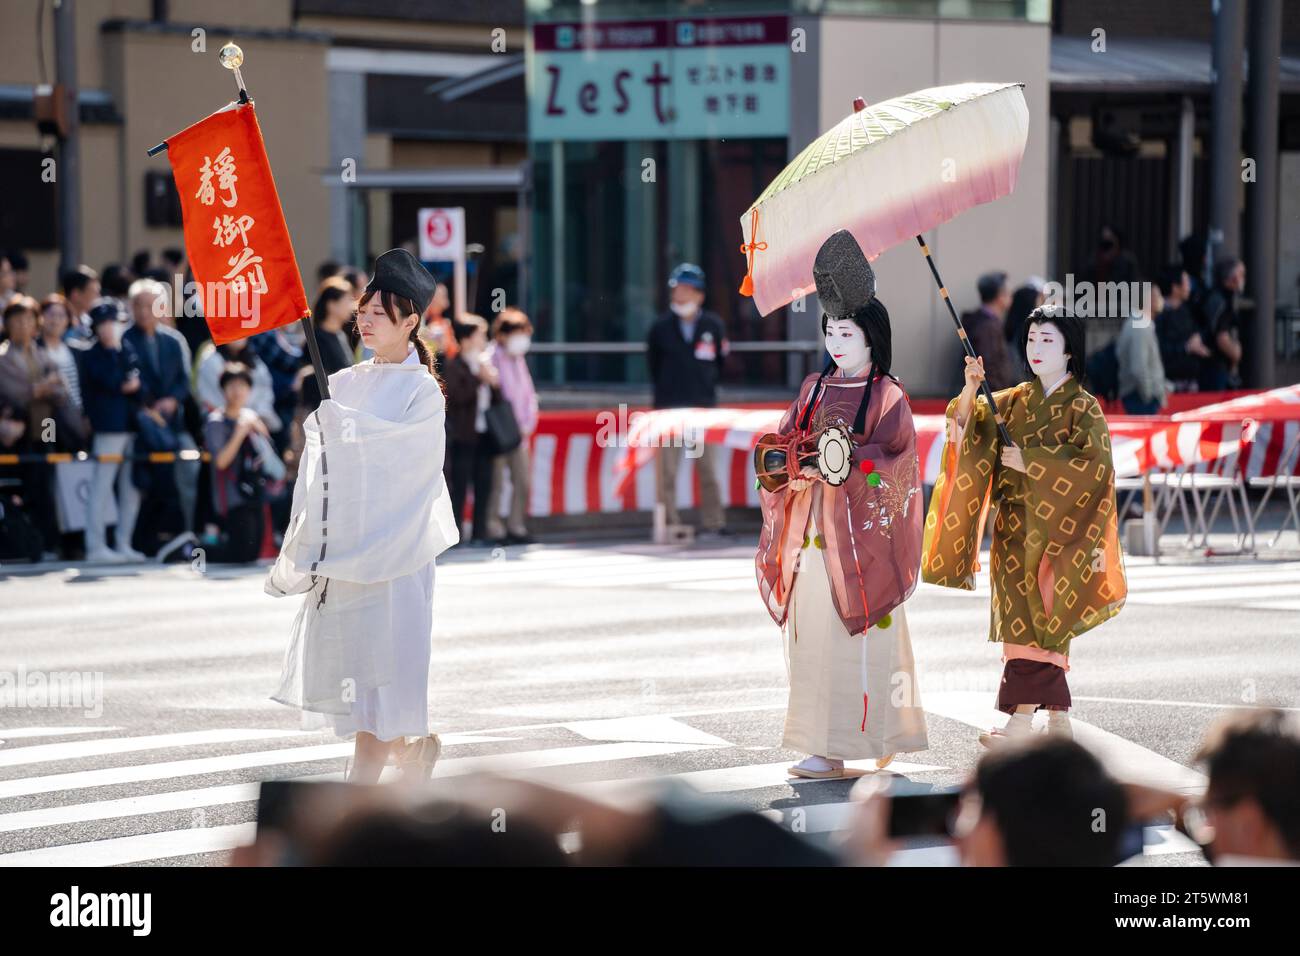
(592, 461)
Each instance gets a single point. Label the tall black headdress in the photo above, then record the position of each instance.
(845, 282)
(846, 286)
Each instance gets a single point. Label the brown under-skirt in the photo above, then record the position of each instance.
(1032, 682)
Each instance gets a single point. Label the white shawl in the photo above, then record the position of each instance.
(369, 506)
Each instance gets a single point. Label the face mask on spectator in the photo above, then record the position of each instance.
(518, 343)
(684, 309)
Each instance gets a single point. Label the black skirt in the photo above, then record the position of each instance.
(1033, 682)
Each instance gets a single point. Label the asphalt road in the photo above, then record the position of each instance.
(582, 664)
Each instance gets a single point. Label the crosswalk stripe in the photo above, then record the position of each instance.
(654, 574)
(103, 746)
(244, 792)
(607, 573)
(750, 777)
(561, 756)
(139, 773)
(1149, 568)
(525, 760)
(1153, 702)
(162, 604)
(119, 851)
(1200, 594)
(1219, 579)
(127, 807)
(650, 727)
(122, 850)
(24, 733)
(814, 818)
(677, 571)
(172, 799)
(1123, 758)
(735, 574)
(718, 584)
(1242, 587)
(811, 819)
(555, 565)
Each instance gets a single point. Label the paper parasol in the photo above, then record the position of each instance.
(886, 173)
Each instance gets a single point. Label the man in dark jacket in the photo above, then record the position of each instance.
(1221, 328)
(1182, 350)
(110, 391)
(164, 383)
(984, 329)
(685, 350)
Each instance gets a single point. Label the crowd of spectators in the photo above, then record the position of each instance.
(1179, 330)
(194, 445)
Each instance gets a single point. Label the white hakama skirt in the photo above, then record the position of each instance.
(392, 620)
(852, 697)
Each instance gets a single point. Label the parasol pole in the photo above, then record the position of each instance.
(232, 58)
(965, 340)
(860, 104)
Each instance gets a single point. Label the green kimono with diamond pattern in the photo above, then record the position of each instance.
(1054, 565)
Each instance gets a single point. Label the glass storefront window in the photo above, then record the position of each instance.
(605, 245)
(652, 128)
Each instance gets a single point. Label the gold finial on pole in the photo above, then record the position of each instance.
(232, 58)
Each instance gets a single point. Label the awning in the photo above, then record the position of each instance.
(461, 179)
(1143, 65)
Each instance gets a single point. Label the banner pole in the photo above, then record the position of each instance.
(313, 349)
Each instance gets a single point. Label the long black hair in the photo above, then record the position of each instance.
(873, 320)
(1071, 327)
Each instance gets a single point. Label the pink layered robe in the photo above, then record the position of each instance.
(872, 533)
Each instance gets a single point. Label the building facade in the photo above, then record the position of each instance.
(351, 97)
(653, 126)
(594, 145)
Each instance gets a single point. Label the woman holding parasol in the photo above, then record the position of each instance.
(1055, 564)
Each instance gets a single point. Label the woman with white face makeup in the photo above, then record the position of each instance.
(1054, 566)
(840, 547)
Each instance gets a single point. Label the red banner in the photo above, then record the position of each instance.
(235, 235)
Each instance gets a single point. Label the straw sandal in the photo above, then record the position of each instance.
(416, 758)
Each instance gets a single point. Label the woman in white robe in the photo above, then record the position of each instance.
(370, 515)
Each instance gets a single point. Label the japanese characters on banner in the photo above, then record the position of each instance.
(235, 234)
(686, 78)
